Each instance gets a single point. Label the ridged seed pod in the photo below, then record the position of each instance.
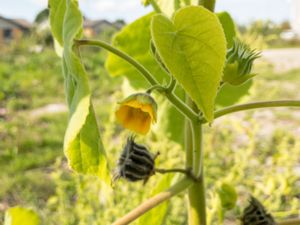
(135, 163)
(256, 214)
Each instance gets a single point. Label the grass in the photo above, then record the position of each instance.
(250, 150)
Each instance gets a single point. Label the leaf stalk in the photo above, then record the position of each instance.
(154, 201)
(178, 103)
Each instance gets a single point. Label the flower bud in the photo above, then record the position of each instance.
(239, 62)
(137, 112)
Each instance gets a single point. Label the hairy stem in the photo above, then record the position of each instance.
(255, 105)
(188, 139)
(197, 208)
(154, 201)
(193, 147)
(180, 105)
(197, 140)
(289, 222)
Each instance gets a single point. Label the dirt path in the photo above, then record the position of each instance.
(49, 109)
(283, 59)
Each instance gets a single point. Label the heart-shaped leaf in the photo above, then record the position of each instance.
(193, 48)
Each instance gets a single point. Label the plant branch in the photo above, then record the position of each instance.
(188, 139)
(209, 4)
(175, 170)
(188, 172)
(154, 201)
(197, 210)
(157, 87)
(289, 222)
(197, 153)
(255, 105)
(180, 105)
(171, 85)
(155, 6)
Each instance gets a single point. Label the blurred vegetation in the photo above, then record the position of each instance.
(263, 34)
(256, 152)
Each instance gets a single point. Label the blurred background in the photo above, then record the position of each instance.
(256, 151)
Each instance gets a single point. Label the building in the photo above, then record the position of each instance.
(295, 16)
(12, 29)
(93, 28)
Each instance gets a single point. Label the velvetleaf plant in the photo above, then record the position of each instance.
(182, 41)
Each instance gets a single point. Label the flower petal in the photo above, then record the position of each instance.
(134, 119)
(144, 107)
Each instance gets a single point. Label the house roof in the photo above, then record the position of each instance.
(97, 23)
(21, 23)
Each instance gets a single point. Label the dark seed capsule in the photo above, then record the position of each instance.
(256, 214)
(135, 163)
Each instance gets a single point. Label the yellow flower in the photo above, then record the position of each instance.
(137, 112)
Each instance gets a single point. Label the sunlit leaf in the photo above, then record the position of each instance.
(228, 27)
(193, 48)
(21, 216)
(157, 215)
(134, 39)
(229, 94)
(82, 144)
(170, 116)
(57, 13)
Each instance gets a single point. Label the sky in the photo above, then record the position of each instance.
(243, 11)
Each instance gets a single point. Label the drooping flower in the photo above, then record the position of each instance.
(137, 112)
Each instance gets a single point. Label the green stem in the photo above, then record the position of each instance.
(154, 201)
(188, 172)
(157, 87)
(193, 147)
(188, 139)
(255, 105)
(209, 4)
(172, 85)
(180, 105)
(289, 222)
(197, 208)
(197, 140)
(155, 6)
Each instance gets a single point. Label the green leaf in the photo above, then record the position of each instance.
(169, 116)
(228, 27)
(227, 195)
(82, 144)
(229, 94)
(21, 216)
(157, 215)
(134, 39)
(57, 12)
(193, 48)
